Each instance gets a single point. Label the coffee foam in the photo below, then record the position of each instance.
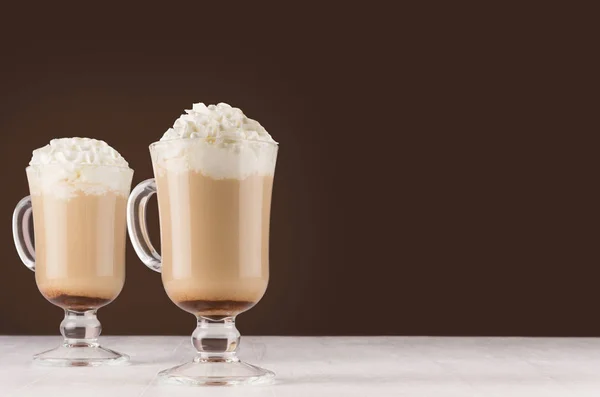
(234, 160)
(218, 141)
(67, 166)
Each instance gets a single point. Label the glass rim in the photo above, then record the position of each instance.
(204, 139)
(119, 167)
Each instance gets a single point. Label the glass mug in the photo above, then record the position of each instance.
(78, 252)
(214, 203)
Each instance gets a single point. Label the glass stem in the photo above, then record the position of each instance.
(80, 328)
(216, 340)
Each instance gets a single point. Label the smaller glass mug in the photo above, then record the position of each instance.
(79, 252)
(214, 202)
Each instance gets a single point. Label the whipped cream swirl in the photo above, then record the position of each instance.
(73, 152)
(217, 123)
(67, 166)
(231, 145)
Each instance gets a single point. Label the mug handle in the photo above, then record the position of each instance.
(136, 224)
(21, 232)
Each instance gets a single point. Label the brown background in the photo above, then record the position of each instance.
(429, 179)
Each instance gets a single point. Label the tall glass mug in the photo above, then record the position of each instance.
(79, 226)
(214, 203)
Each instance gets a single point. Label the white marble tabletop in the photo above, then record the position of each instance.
(331, 366)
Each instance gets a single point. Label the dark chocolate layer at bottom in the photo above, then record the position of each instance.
(78, 303)
(216, 309)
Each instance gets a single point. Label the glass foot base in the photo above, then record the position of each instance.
(214, 372)
(80, 355)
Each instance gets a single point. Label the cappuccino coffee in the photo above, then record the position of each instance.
(79, 190)
(214, 175)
